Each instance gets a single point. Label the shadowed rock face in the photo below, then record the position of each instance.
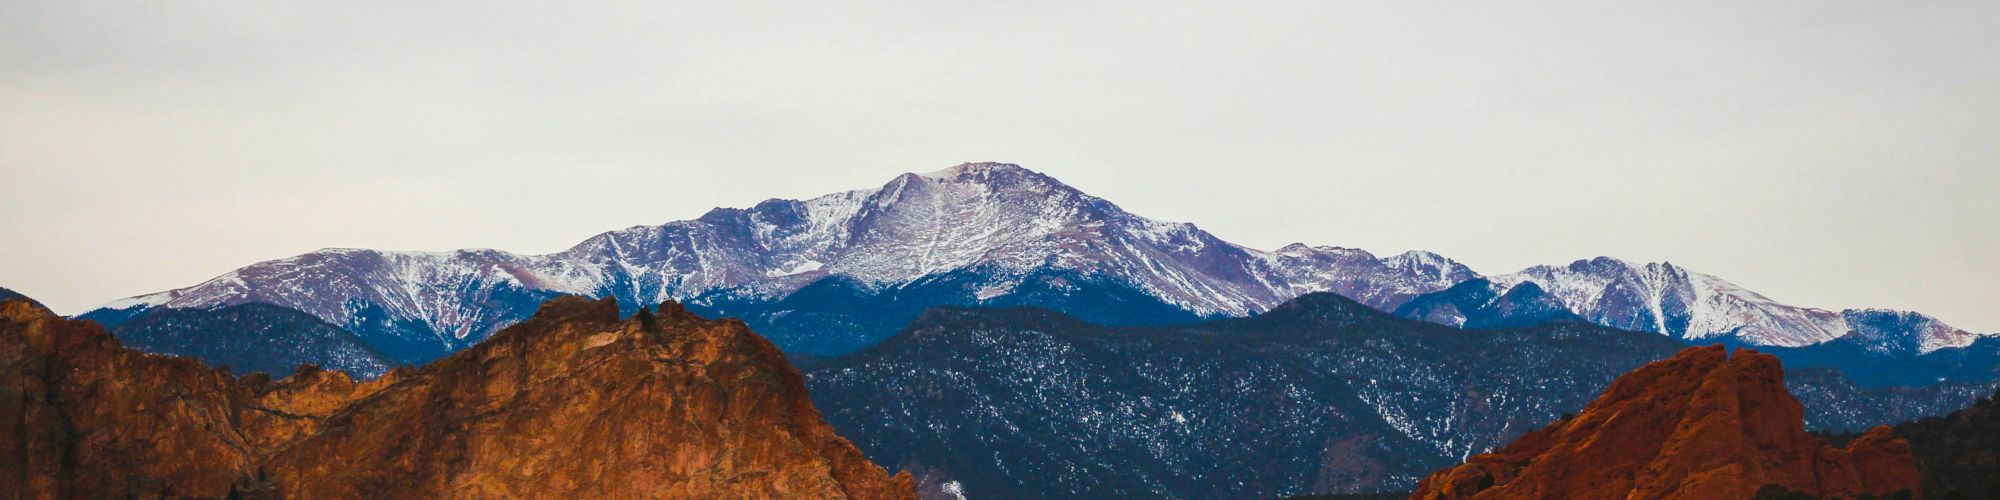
(574, 402)
(85, 418)
(1697, 425)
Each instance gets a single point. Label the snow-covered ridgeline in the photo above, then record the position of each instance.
(1663, 298)
(1002, 221)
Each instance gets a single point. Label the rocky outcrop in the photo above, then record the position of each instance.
(6, 295)
(85, 418)
(575, 402)
(1701, 424)
(281, 411)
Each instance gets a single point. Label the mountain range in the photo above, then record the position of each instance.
(1321, 395)
(830, 275)
(1664, 298)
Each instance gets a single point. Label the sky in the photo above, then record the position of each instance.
(1826, 154)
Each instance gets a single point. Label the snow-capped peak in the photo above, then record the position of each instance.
(1383, 283)
(998, 221)
(1660, 297)
(977, 170)
(1430, 265)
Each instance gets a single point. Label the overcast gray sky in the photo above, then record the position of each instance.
(1827, 154)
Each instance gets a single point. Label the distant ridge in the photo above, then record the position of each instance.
(254, 337)
(1320, 395)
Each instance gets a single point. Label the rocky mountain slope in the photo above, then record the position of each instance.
(1667, 299)
(1702, 424)
(573, 402)
(1879, 348)
(1320, 395)
(1876, 347)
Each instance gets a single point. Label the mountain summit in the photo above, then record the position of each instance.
(975, 233)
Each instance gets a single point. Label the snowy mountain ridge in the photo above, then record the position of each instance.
(998, 223)
(1005, 221)
(1667, 299)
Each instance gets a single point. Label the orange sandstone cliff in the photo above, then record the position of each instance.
(1700, 425)
(572, 403)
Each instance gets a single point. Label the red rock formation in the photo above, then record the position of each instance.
(574, 402)
(1698, 425)
(81, 417)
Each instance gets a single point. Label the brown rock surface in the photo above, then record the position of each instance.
(574, 402)
(1701, 424)
(274, 413)
(82, 417)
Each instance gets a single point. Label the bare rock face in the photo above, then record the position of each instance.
(275, 413)
(574, 402)
(98, 421)
(1698, 425)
